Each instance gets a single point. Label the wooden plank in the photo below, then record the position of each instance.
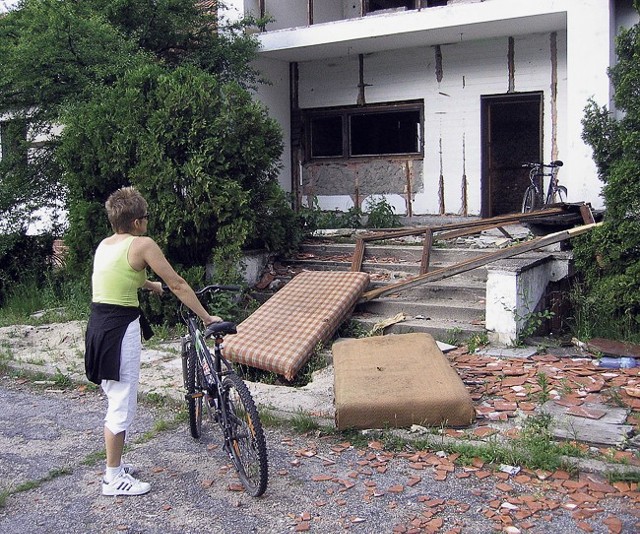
(492, 222)
(474, 263)
(358, 256)
(426, 251)
(507, 234)
(587, 214)
(610, 347)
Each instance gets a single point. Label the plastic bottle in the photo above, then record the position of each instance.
(626, 362)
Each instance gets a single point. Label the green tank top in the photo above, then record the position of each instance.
(114, 281)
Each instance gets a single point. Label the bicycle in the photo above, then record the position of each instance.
(211, 382)
(533, 199)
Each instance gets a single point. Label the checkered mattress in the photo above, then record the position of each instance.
(282, 334)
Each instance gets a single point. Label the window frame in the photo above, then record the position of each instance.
(345, 112)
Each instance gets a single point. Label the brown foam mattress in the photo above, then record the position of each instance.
(396, 381)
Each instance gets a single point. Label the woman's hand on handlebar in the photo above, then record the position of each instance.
(212, 319)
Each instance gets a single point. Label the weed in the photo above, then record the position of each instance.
(613, 397)
(302, 423)
(155, 399)
(381, 214)
(268, 418)
(32, 484)
(61, 380)
(453, 336)
(632, 477)
(476, 341)
(353, 329)
(543, 383)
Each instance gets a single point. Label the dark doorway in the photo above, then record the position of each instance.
(511, 136)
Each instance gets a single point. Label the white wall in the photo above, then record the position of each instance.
(472, 69)
(452, 106)
(277, 73)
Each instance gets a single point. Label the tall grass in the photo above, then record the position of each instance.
(58, 299)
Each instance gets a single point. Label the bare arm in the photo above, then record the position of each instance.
(146, 251)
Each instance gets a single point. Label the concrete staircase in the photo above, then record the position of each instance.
(451, 310)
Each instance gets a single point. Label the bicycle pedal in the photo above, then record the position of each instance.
(193, 396)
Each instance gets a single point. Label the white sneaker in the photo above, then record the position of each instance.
(130, 469)
(125, 484)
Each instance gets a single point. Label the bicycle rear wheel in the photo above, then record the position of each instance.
(194, 393)
(244, 435)
(530, 201)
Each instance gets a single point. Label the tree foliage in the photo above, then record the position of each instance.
(151, 93)
(610, 256)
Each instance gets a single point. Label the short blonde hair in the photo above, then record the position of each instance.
(124, 206)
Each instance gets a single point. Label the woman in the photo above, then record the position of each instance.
(113, 342)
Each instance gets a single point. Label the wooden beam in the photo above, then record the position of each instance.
(474, 263)
(426, 251)
(358, 256)
(587, 214)
(492, 222)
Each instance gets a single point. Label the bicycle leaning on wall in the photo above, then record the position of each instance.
(533, 196)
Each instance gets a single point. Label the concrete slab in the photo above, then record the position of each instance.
(509, 352)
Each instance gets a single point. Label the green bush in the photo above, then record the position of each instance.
(609, 257)
(204, 155)
(381, 214)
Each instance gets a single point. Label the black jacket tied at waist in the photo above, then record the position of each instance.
(103, 340)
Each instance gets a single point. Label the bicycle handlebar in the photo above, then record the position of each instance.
(552, 165)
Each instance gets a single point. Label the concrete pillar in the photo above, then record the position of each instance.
(588, 57)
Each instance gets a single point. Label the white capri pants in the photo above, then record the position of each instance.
(122, 395)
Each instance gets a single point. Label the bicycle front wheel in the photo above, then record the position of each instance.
(194, 393)
(530, 200)
(244, 435)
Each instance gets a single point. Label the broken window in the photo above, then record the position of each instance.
(362, 131)
(372, 6)
(326, 137)
(379, 5)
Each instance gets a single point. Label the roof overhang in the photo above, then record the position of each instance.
(428, 27)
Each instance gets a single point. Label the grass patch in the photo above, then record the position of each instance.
(32, 484)
(302, 423)
(533, 449)
(269, 419)
(618, 476)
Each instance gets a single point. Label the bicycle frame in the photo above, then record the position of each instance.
(212, 385)
(213, 367)
(533, 196)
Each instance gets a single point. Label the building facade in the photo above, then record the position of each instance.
(434, 104)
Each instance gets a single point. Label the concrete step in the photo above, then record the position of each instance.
(385, 253)
(449, 331)
(455, 288)
(395, 271)
(429, 309)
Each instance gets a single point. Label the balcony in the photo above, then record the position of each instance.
(320, 29)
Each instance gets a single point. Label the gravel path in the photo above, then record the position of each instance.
(319, 484)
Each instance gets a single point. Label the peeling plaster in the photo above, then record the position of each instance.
(439, 72)
(554, 94)
(511, 61)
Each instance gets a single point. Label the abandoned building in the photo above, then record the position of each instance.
(434, 104)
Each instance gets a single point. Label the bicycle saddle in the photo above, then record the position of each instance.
(225, 327)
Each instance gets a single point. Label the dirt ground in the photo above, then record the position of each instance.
(318, 483)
